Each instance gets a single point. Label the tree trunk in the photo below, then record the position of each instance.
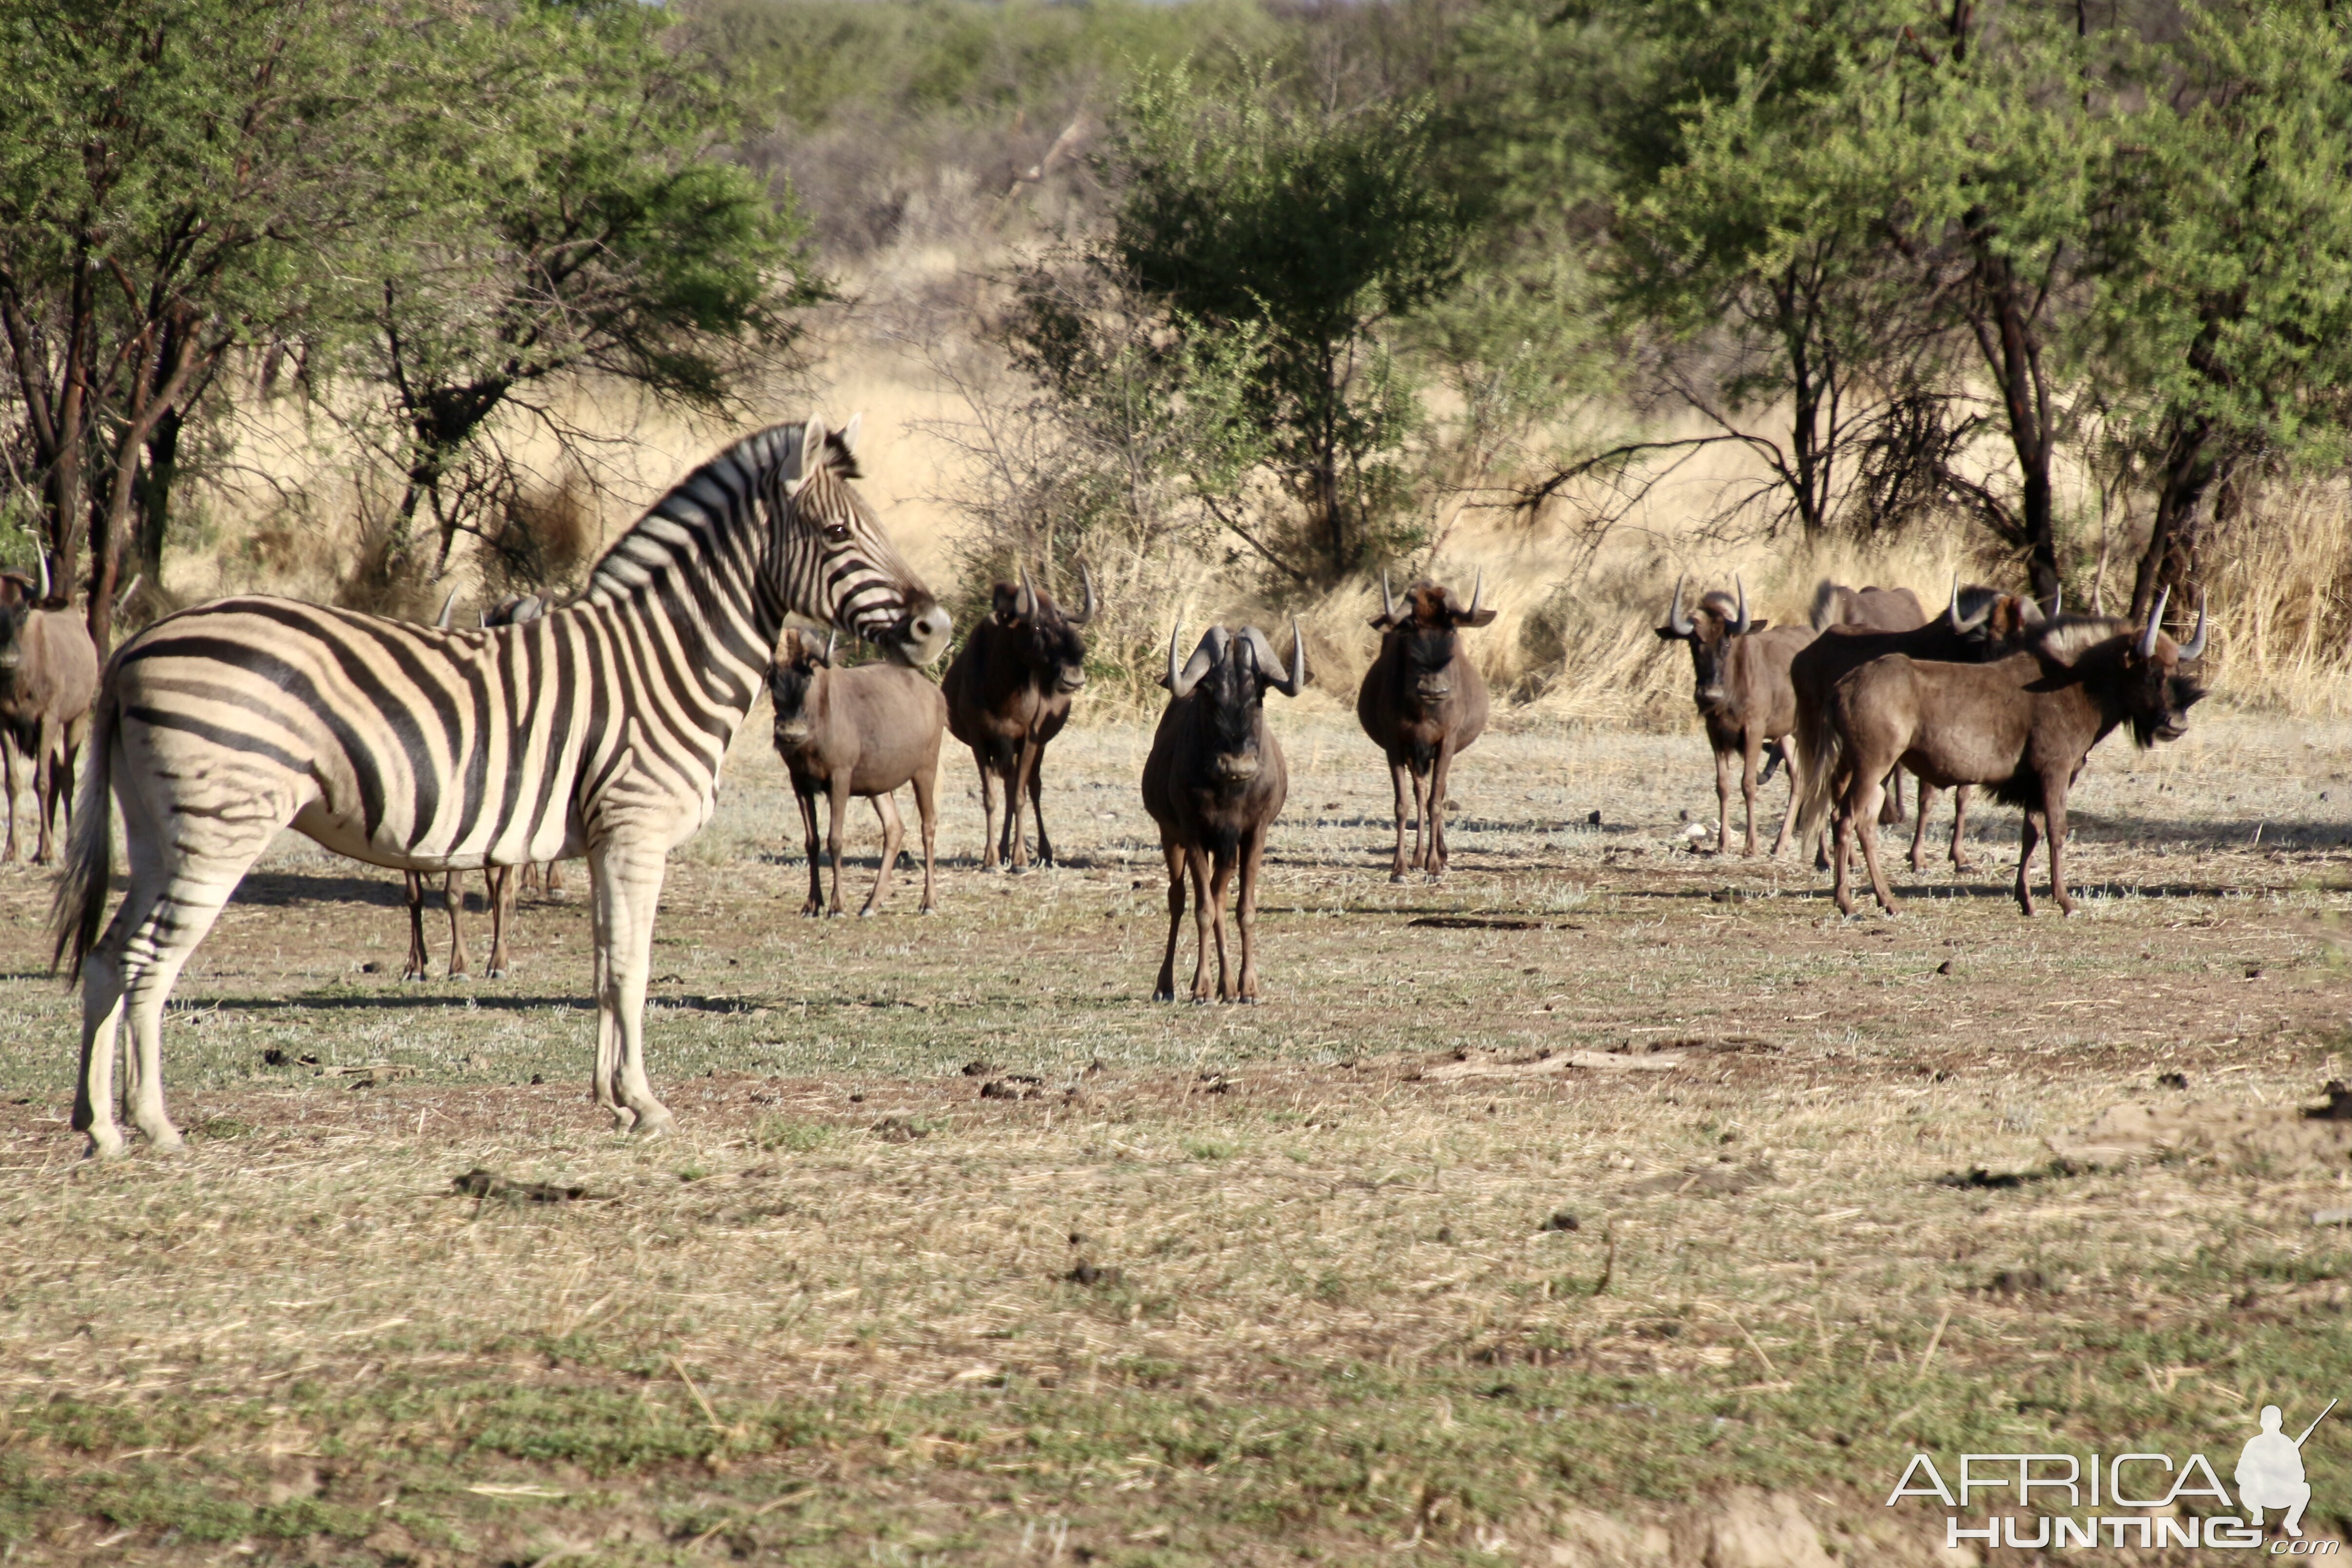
(2191, 463)
(156, 483)
(2005, 335)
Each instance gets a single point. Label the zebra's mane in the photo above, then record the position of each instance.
(693, 519)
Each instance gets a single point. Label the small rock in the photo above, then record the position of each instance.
(367, 969)
(273, 1056)
(1945, 967)
(1087, 1274)
(2172, 1080)
(978, 1070)
(1563, 1220)
(1592, 819)
(898, 1130)
(537, 1077)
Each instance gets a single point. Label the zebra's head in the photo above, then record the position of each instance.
(838, 563)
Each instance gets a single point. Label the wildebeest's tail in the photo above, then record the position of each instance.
(80, 909)
(1817, 757)
(1825, 605)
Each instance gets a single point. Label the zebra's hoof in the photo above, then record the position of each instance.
(653, 1123)
(112, 1146)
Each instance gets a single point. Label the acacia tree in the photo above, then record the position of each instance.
(582, 229)
(171, 172)
(1314, 233)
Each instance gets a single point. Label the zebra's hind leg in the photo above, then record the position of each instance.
(625, 883)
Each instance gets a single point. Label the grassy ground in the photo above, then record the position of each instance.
(967, 1253)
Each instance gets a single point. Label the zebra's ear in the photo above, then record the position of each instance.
(848, 433)
(811, 453)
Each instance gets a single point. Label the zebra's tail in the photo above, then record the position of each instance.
(80, 909)
(1817, 753)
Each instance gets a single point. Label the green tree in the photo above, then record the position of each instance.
(171, 172)
(1315, 233)
(579, 226)
(2224, 314)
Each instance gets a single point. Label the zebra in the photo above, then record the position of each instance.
(597, 729)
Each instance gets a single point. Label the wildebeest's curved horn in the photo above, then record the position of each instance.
(448, 604)
(1087, 581)
(127, 595)
(2057, 600)
(1971, 622)
(45, 576)
(2155, 624)
(1477, 591)
(2195, 647)
(832, 637)
(1210, 651)
(1677, 622)
(1270, 669)
(1175, 635)
(1388, 603)
(1026, 605)
(1740, 628)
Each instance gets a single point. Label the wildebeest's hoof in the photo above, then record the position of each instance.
(1163, 995)
(494, 974)
(415, 975)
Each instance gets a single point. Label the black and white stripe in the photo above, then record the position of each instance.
(596, 730)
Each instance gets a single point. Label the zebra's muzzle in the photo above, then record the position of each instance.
(921, 636)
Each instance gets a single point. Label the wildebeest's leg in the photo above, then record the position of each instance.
(927, 809)
(1034, 760)
(1864, 812)
(836, 820)
(1440, 770)
(1891, 809)
(1787, 821)
(894, 836)
(2028, 835)
(1246, 910)
(1751, 754)
(987, 810)
(1422, 836)
(1723, 803)
(1164, 990)
(453, 899)
(551, 880)
(2053, 822)
(627, 881)
(1838, 842)
(501, 884)
(1017, 789)
(8, 749)
(418, 960)
(1196, 862)
(45, 786)
(1919, 824)
(814, 905)
(1397, 775)
(1960, 826)
(61, 769)
(1220, 877)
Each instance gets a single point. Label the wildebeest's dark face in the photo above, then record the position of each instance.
(1052, 647)
(2161, 679)
(1427, 627)
(1227, 678)
(790, 679)
(1710, 631)
(16, 608)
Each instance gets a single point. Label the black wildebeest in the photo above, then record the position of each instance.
(2022, 723)
(861, 731)
(1976, 624)
(1214, 782)
(1008, 693)
(1423, 702)
(48, 677)
(1740, 669)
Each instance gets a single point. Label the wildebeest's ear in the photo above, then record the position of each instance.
(1759, 623)
(1475, 618)
(1667, 634)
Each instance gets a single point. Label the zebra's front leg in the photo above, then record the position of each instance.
(627, 880)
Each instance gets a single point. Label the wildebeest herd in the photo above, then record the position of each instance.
(595, 730)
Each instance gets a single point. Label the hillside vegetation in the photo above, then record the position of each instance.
(1242, 305)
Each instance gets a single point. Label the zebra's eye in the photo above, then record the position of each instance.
(836, 531)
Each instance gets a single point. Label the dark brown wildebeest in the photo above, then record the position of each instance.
(1976, 624)
(862, 732)
(500, 882)
(1739, 669)
(2022, 723)
(48, 677)
(1423, 702)
(1008, 692)
(1214, 782)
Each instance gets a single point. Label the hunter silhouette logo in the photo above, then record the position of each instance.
(2270, 1470)
(2143, 1500)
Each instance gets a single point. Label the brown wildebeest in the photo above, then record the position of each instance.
(2022, 723)
(1008, 692)
(1978, 624)
(1214, 782)
(1739, 667)
(499, 881)
(861, 731)
(1423, 702)
(48, 677)
(1873, 609)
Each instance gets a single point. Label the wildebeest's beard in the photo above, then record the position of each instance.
(13, 617)
(1056, 649)
(789, 680)
(1428, 661)
(2161, 699)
